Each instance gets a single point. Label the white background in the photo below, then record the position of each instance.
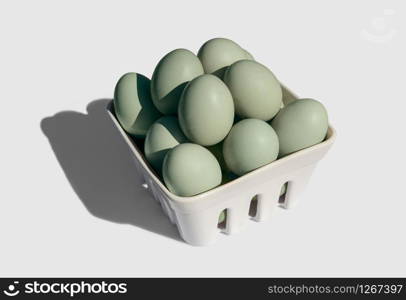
(70, 201)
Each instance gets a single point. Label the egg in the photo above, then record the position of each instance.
(256, 91)
(170, 77)
(300, 124)
(218, 53)
(190, 169)
(133, 104)
(206, 110)
(251, 144)
(162, 136)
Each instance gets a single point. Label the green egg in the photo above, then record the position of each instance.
(170, 77)
(190, 169)
(251, 144)
(162, 136)
(133, 104)
(206, 110)
(300, 124)
(218, 53)
(256, 91)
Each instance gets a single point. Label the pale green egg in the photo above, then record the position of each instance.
(206, 110)
(218, 53)
(133, 104)
(251, 144)
(162, 136)
(170, 77)
(190, 169)
(256, 91)
(300, 124)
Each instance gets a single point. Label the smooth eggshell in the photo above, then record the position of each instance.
(133, 104)
(218, 53)
(300, 124)
(162, 136)
(190, 169)
(170, 77)
(206, 110)
(256, 91)
(251, 143)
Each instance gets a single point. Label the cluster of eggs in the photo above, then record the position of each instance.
(206, 119)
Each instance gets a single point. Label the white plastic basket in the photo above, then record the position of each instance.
(197, 217)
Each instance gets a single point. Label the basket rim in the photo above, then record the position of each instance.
(331, 136)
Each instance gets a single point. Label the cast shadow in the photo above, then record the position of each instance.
(100, 169)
